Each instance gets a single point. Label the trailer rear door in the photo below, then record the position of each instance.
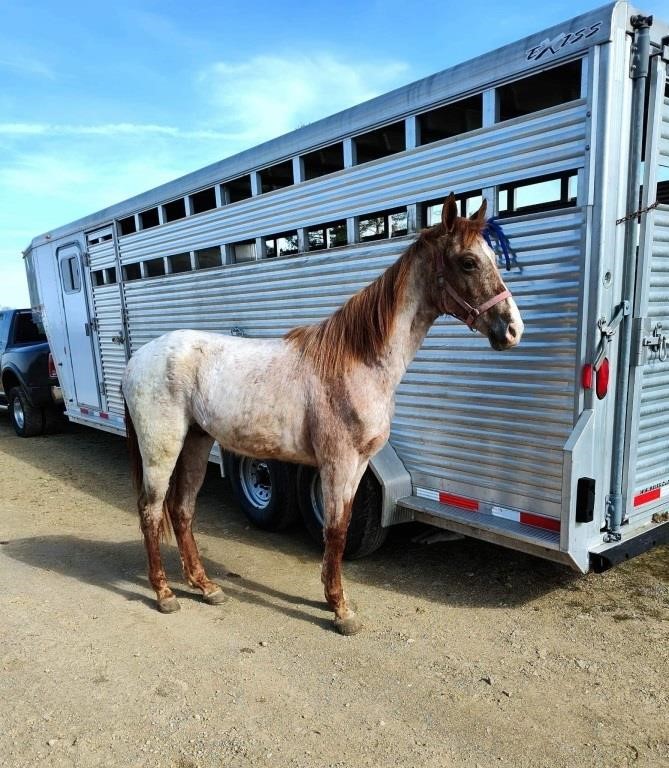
(648, 425)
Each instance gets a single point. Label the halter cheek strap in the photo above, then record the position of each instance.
(470, 314)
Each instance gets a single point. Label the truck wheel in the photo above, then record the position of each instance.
(54, 420)
(265, 490)
(27, 420)
(365, 534)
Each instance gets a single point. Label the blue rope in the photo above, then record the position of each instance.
(493, 230)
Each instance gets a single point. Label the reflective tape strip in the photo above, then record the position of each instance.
(472, 505)
(653, 495)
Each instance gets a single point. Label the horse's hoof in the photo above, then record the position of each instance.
(215, 598)
(168, 605)
(350, 626)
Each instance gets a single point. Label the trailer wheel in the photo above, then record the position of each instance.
(27, 420)
(365, 533)
(265, 490)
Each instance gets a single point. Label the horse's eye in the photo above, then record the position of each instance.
(468, 264)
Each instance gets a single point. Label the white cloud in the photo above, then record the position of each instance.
(267, 96)
(110, 130)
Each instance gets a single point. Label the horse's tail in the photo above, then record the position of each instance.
(137, 474)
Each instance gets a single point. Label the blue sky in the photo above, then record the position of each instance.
(99, 102)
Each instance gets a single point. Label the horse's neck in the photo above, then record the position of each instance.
(413, 319)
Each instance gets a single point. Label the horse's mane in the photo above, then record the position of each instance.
(357, 331)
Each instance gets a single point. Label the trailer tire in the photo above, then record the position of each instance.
(27, 420)
(264, 490)
(365, 533)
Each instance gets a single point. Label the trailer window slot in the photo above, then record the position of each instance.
(285, 244)
(132, 272)
(205, 258)
(149, 219)
(538, 194)
(323, 161)
(276, 177)
(237, 189)
(202, 201)
(468, 203)
(154, 267)
(380, 142)
(384, 224)
(450, 120)
(175, 210)
(127, 226)
(541, 91)
(243, 252)
(327, 236)
(180, 262)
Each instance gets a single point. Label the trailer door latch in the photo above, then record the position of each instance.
(651, 341)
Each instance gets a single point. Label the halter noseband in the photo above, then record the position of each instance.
(470, 314)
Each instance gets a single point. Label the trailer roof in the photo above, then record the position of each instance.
(537, 51)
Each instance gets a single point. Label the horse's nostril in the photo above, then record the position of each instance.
(512, 331)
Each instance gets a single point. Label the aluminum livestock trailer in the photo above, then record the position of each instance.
(560, 447)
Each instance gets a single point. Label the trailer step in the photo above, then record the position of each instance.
(632, 544)
(509, 533)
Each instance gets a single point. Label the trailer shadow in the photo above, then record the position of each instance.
(464, 572)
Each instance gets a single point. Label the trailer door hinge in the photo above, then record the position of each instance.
(86, 258)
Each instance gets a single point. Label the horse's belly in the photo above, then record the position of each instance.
(264, 434)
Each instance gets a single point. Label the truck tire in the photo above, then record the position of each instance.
(365, 533)
(27, 420)
(54, 420)
(264, 490)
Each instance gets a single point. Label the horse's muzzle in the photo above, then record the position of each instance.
(504, 334)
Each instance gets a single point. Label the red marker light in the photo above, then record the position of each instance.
(602, 379)
(52, 367)
(586, 376)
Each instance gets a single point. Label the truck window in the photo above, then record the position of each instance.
(26, 331)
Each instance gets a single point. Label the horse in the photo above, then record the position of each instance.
(322, 395)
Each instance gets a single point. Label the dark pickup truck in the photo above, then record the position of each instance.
(28, 382)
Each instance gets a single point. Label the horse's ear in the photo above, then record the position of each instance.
(479, 216)
(449, 213)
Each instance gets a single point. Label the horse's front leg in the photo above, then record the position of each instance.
(339, 487)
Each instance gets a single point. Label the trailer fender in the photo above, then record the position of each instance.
(395, 484)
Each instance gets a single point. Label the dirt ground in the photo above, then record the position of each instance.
(472, 655)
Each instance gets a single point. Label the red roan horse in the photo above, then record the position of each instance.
(323, 395)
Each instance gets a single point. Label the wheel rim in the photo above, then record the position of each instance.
(256, 482)
(316, 498)
(18, 414)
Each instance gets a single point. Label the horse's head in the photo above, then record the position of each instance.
(465, 281)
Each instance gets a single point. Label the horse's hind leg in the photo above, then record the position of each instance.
(151, 510)
(186, 483)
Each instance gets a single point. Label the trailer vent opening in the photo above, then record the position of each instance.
(174, 210)
(180, 262)
(155, 267)
(541, 91)
(327, 236)
(203, 201)
(380, 142)
(132, 272)
(468, 203)
(127, 226)
(285, 244)
(276, 176)
(244, 252)
(323, 161)
(149, 219)
(205, 258)
(378, 226)
(237, 189)
(451, 120)
(542, 193)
